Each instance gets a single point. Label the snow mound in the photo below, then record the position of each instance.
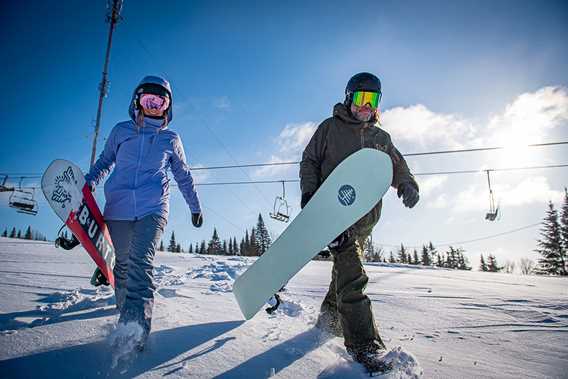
(219, 274)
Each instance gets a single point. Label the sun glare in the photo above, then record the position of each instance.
(516, 150)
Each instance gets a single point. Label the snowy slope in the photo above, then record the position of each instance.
(454, 324)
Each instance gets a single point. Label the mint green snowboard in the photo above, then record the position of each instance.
(350, 192)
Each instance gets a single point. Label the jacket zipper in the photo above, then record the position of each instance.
(136, 173)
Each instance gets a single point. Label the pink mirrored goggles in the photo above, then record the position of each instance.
(153, 102)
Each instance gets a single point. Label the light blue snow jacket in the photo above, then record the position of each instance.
(141, 157)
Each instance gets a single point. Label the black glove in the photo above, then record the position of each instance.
(305, 198)
(197, 219)
(340, 240)
(409, 194)
(325, 253)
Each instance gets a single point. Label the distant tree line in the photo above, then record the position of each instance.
(254, 243)
(428, 255)
(29, 234)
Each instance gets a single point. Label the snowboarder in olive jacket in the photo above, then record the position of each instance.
(346, 310)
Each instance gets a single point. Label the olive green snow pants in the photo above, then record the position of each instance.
(345, 298)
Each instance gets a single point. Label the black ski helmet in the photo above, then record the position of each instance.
(362, 81)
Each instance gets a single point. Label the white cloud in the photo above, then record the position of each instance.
(427, 186)
(419, 125)
(440, 202)
(291, 143)
(526, 120)
(529, 191)
(530, 116)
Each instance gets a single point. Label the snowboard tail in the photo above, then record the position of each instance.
(345, 196)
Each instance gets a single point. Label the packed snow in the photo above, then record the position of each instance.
(437, 323)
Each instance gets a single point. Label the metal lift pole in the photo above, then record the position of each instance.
(112, 18)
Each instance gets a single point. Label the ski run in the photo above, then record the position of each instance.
(436, 323)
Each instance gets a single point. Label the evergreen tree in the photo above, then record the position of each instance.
(19, 235)
(190, 248)
(564, 226)
(391, 258)
(434, 254)
(463, 263)
(253, 247)
(242, 246)
(492, 265)
(231, 250)
(225, 251)
(482, 264)
(214, 245)
(402, 257)
(5, 234)
(161, 245)
(13, 233)
(453, 258)
(415, 256)
(550, 245)
(262, 237)
(202, 248)
(178, 248)
(28, 235)
(440, 260)
(426, 260)
(173, 245)
(245, 250)
(235, 246)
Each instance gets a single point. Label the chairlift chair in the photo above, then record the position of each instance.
(281, 211)
(3, 187)
(493, 210)
(23, 200)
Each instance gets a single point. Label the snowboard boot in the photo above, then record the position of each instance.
(371, 356)
(129, 337)
(328, 321)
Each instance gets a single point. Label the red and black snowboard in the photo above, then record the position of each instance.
(65, 189)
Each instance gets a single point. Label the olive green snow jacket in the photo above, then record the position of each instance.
(340, 136)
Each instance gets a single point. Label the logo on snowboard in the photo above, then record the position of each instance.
(62, 182)
(346, 195)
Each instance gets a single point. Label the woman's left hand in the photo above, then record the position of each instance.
(197, 219)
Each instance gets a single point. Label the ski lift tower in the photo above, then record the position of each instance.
(113, 17)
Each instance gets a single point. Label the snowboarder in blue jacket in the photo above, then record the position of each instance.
(139, 153)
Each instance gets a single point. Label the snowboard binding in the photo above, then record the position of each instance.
(64, 242)
(99, 279)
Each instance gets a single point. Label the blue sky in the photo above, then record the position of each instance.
(252, 79)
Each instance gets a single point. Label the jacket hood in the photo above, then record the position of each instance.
(151, 80)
